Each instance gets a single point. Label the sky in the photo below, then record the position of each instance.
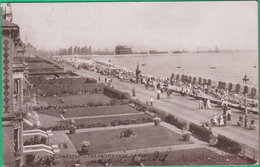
(144, 26)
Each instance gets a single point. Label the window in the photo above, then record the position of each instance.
(16, 86)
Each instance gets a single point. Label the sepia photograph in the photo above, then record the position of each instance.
(130, 83)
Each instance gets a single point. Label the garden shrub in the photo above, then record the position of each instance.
(91, 80)
(203, 133)
(65, 86)
(114, 93)
(228, 144)
(175, 121)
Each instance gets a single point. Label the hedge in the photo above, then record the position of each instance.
(175, 121)
(71, 86)
(112, 102)
(228, 144)
(204, 133)
(114, 93)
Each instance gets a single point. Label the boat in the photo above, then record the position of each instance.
(123, 49)
(178, 67)
(213, 67)
(157, 52)
(175, 52)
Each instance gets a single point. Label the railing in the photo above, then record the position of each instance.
(250, 152)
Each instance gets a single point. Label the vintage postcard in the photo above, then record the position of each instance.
(129, 83)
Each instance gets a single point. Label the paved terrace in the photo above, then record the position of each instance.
(188, 108)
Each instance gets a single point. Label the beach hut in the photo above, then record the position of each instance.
(242, 88)
(250, 90)
(246, 89)
(194, 80)
(182, 77)
(200, 80)
(190, 78)
(230, 85)
(253, 92)
(209, 82)
(205, 81)
(172, 76)
(177, 77)
(219, 84)
(233, 87)
(237, 88)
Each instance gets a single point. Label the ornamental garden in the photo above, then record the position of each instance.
(97, 125)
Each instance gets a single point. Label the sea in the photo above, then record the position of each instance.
(228, 67)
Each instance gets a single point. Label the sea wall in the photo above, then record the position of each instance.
(233, 87)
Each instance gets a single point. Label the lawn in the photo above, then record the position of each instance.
(108, 141)
(40, 65)
(92, 111)
(76, 99)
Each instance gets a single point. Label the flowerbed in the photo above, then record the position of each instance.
(75, 101)
(91, 111)
(102, 122)
(127, 135)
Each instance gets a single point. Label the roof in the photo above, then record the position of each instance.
(8, 24)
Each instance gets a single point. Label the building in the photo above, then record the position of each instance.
(17, 103)
(12, 95)
(30, 51)
(122, 49)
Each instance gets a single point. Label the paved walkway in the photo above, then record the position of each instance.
(101, 116)
(188, 108)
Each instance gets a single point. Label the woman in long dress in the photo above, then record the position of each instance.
(208, 104)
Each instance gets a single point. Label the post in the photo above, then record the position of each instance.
(246, 112)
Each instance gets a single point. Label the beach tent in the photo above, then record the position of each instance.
(194, 80)
(238, 87)
(209, 82)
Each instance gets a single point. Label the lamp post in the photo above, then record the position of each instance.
(245, 79)
(246, 122)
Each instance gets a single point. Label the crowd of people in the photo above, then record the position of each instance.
(161, 85)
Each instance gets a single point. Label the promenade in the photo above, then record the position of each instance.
(187, 108)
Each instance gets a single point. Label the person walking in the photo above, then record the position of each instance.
(168, 94)
(133, 92)
(158, 94)
(229, 114)
(208, 104)
(205, 103)
(151, 100)
(201, 104)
